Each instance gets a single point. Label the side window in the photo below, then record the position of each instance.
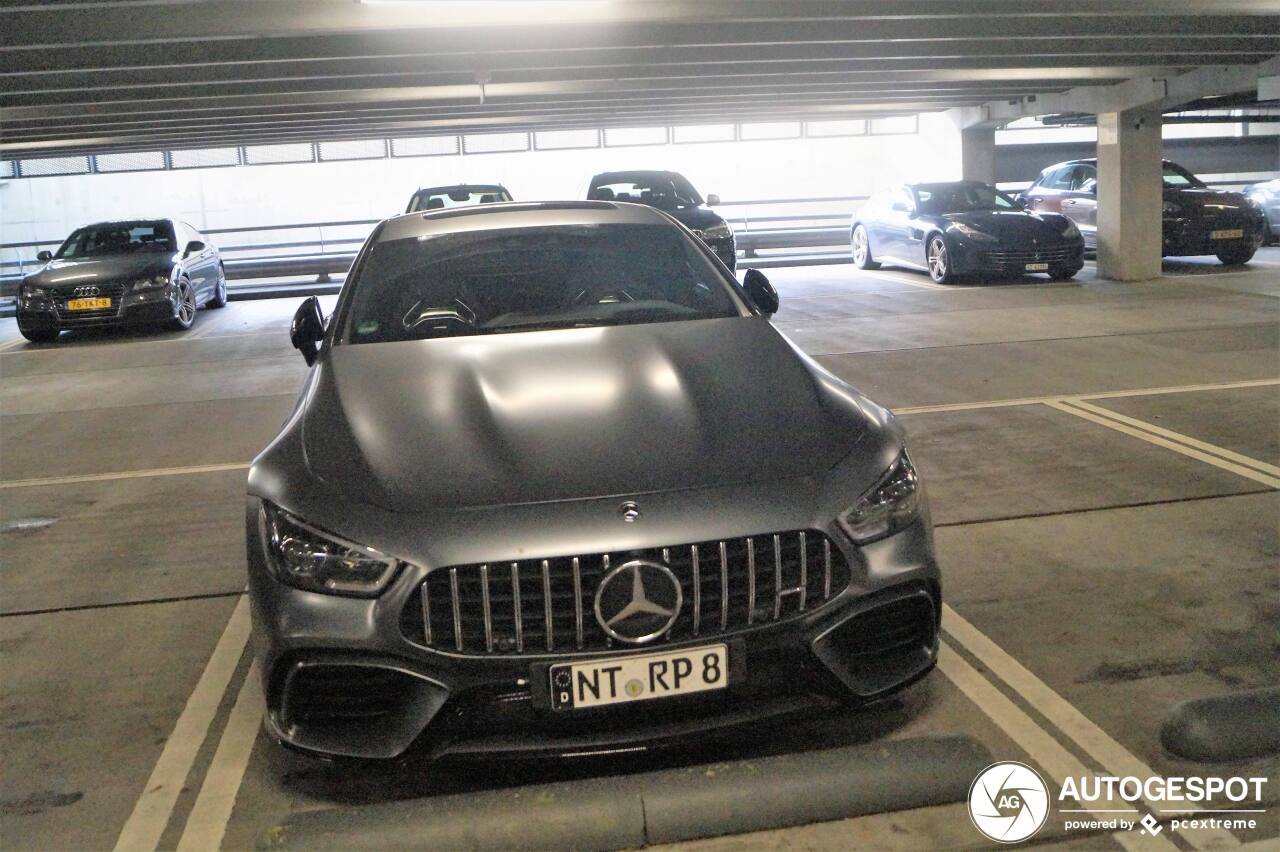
(902, 198)
(1061, 179)
(1085, 180)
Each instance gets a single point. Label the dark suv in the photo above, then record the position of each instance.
(1197, 219)
(672, 193)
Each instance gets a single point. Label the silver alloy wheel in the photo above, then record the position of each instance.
(937, 259)
(187, 307)
(859, 245)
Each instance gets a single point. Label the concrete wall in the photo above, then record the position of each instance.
(50, 207)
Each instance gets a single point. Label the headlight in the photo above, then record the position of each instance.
(1070, 230)
(303, 556)
(151, 282)
(1172, 208)
(716, 232)
(973, 233)
(892, 505)
(31, 291)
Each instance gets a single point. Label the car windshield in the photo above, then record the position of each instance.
(530, 279)
(666, 192)
(461, 196)
(120, 238)
(1178, 176)
(939, 199)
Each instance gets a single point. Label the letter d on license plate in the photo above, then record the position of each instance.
(621, 680)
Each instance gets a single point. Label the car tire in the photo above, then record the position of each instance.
(219, 299)
(860, 245)
(938, 260)
(1237, 255)
(1063, 273)
(185, 315)
(39, 335)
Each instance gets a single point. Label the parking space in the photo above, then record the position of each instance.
(1100, 460)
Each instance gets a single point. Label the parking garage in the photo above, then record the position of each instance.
(1075, 643)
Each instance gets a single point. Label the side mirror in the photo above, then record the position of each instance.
(712, 199)
(900, 207)
(193, 247)
(307, 329)
(761, 291)
(44, 256)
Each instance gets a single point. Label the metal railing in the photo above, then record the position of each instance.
(769, 232)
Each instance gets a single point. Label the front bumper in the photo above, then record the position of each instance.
(128, 308)
(1194, 236)
(342, 679)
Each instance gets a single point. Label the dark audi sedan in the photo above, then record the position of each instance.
(1196, 219)
(672, 193)
(963, 228)
(118, 273)
(555, 485)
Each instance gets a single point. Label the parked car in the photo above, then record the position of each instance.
(1267, 197)
(672, 193)
(119, 273)
(1196, 219)
(962, 228)
(539, 496)
(462, 195)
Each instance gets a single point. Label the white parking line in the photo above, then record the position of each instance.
(1215, 458)
(1073, 724)
(12, 344)
(142, 831)
(73, 479)
(207, 824)
(1044, 400)
(1041, 746)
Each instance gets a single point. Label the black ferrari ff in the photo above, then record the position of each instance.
(963, 228)
(118, 273)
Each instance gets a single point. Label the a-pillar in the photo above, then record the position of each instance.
(1130, 199)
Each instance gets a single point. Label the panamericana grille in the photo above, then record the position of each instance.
(1021, 257)
(548, 605)
(61, 296)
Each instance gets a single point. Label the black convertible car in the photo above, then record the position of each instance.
(117, 273)
(671, 193)
(962, 228)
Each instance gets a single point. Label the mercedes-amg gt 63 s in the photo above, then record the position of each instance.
(556, 485)
(963, 228)
(122, 273)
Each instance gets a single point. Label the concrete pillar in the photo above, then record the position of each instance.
(1130, 201)
(978, 154)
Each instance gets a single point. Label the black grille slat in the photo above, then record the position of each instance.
(540, 606)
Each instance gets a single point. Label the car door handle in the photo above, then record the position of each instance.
(1070, 202)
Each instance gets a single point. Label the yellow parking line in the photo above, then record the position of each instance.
(73, 479)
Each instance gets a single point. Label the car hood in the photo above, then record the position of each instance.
(1200, 198)
(94, 270)
(697, 218)
(1010, 225)
(570, 414)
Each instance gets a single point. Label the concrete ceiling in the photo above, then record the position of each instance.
(147, 74)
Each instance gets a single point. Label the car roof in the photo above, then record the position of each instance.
(632, 173)
(948, 183)
(137, 221)
(518, 214)
(460, 186)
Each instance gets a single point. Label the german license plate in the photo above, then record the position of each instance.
(1227, 234)
(1037, 267)
(621, 680)
(88, 304)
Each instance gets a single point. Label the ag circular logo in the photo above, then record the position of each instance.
(1008, 802)
(639, 601)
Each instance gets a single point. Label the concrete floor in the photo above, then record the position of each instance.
(1119, 568)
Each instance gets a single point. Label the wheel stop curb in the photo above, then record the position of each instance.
(1225, 727)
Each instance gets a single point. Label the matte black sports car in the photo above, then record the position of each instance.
(672, 193)
(963, 228)
(117, 273)
(461, 195)
(1196, 219)
(555, 484)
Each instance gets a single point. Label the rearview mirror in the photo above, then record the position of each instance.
(193, 247)
(307, 329)
(44, 256)
(761, 291)
(712, 199)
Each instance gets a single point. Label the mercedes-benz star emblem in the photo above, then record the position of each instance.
(629, 511)
(638, 601)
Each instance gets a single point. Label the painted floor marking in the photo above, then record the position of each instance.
(142, 831)
(1043, 400)
(1042, 747)
(73, 479)
(207, 824)
(1073, 724)
(1190, 451)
